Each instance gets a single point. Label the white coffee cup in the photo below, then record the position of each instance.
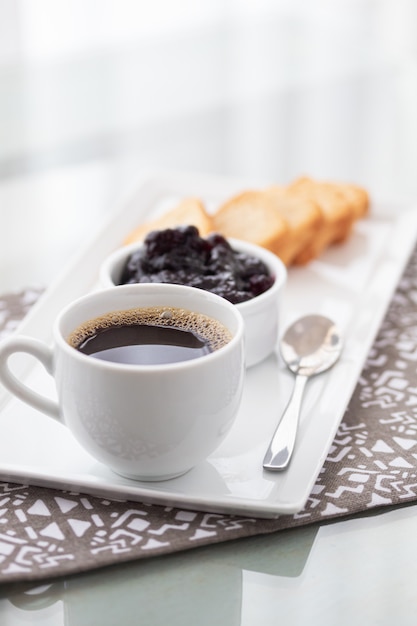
(146, 422)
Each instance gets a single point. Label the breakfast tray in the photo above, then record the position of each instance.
(352, 283)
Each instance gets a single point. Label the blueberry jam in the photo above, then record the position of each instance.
(181, 256)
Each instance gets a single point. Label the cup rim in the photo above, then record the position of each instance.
(63, 344)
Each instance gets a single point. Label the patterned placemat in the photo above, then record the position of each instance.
(372, 463)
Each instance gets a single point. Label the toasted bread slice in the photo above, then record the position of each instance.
(190, 211)
(304, 219)
(338, 214)
(252, 216)
(357, 196)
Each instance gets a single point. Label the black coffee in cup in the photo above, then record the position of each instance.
(150, 336)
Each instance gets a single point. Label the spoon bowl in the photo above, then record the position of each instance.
(311, 345)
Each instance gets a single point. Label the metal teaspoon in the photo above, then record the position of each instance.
(309, 346)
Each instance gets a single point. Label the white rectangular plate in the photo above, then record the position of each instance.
(351, 283)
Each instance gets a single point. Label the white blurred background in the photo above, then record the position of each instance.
(93, 93)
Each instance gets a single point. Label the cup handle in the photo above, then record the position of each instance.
(41, 352)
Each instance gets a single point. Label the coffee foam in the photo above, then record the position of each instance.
(208, 329)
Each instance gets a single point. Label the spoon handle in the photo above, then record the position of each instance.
(282, 444)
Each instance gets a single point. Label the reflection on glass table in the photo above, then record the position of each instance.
(340, 571)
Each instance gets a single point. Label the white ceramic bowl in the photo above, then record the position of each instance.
(260, 314)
